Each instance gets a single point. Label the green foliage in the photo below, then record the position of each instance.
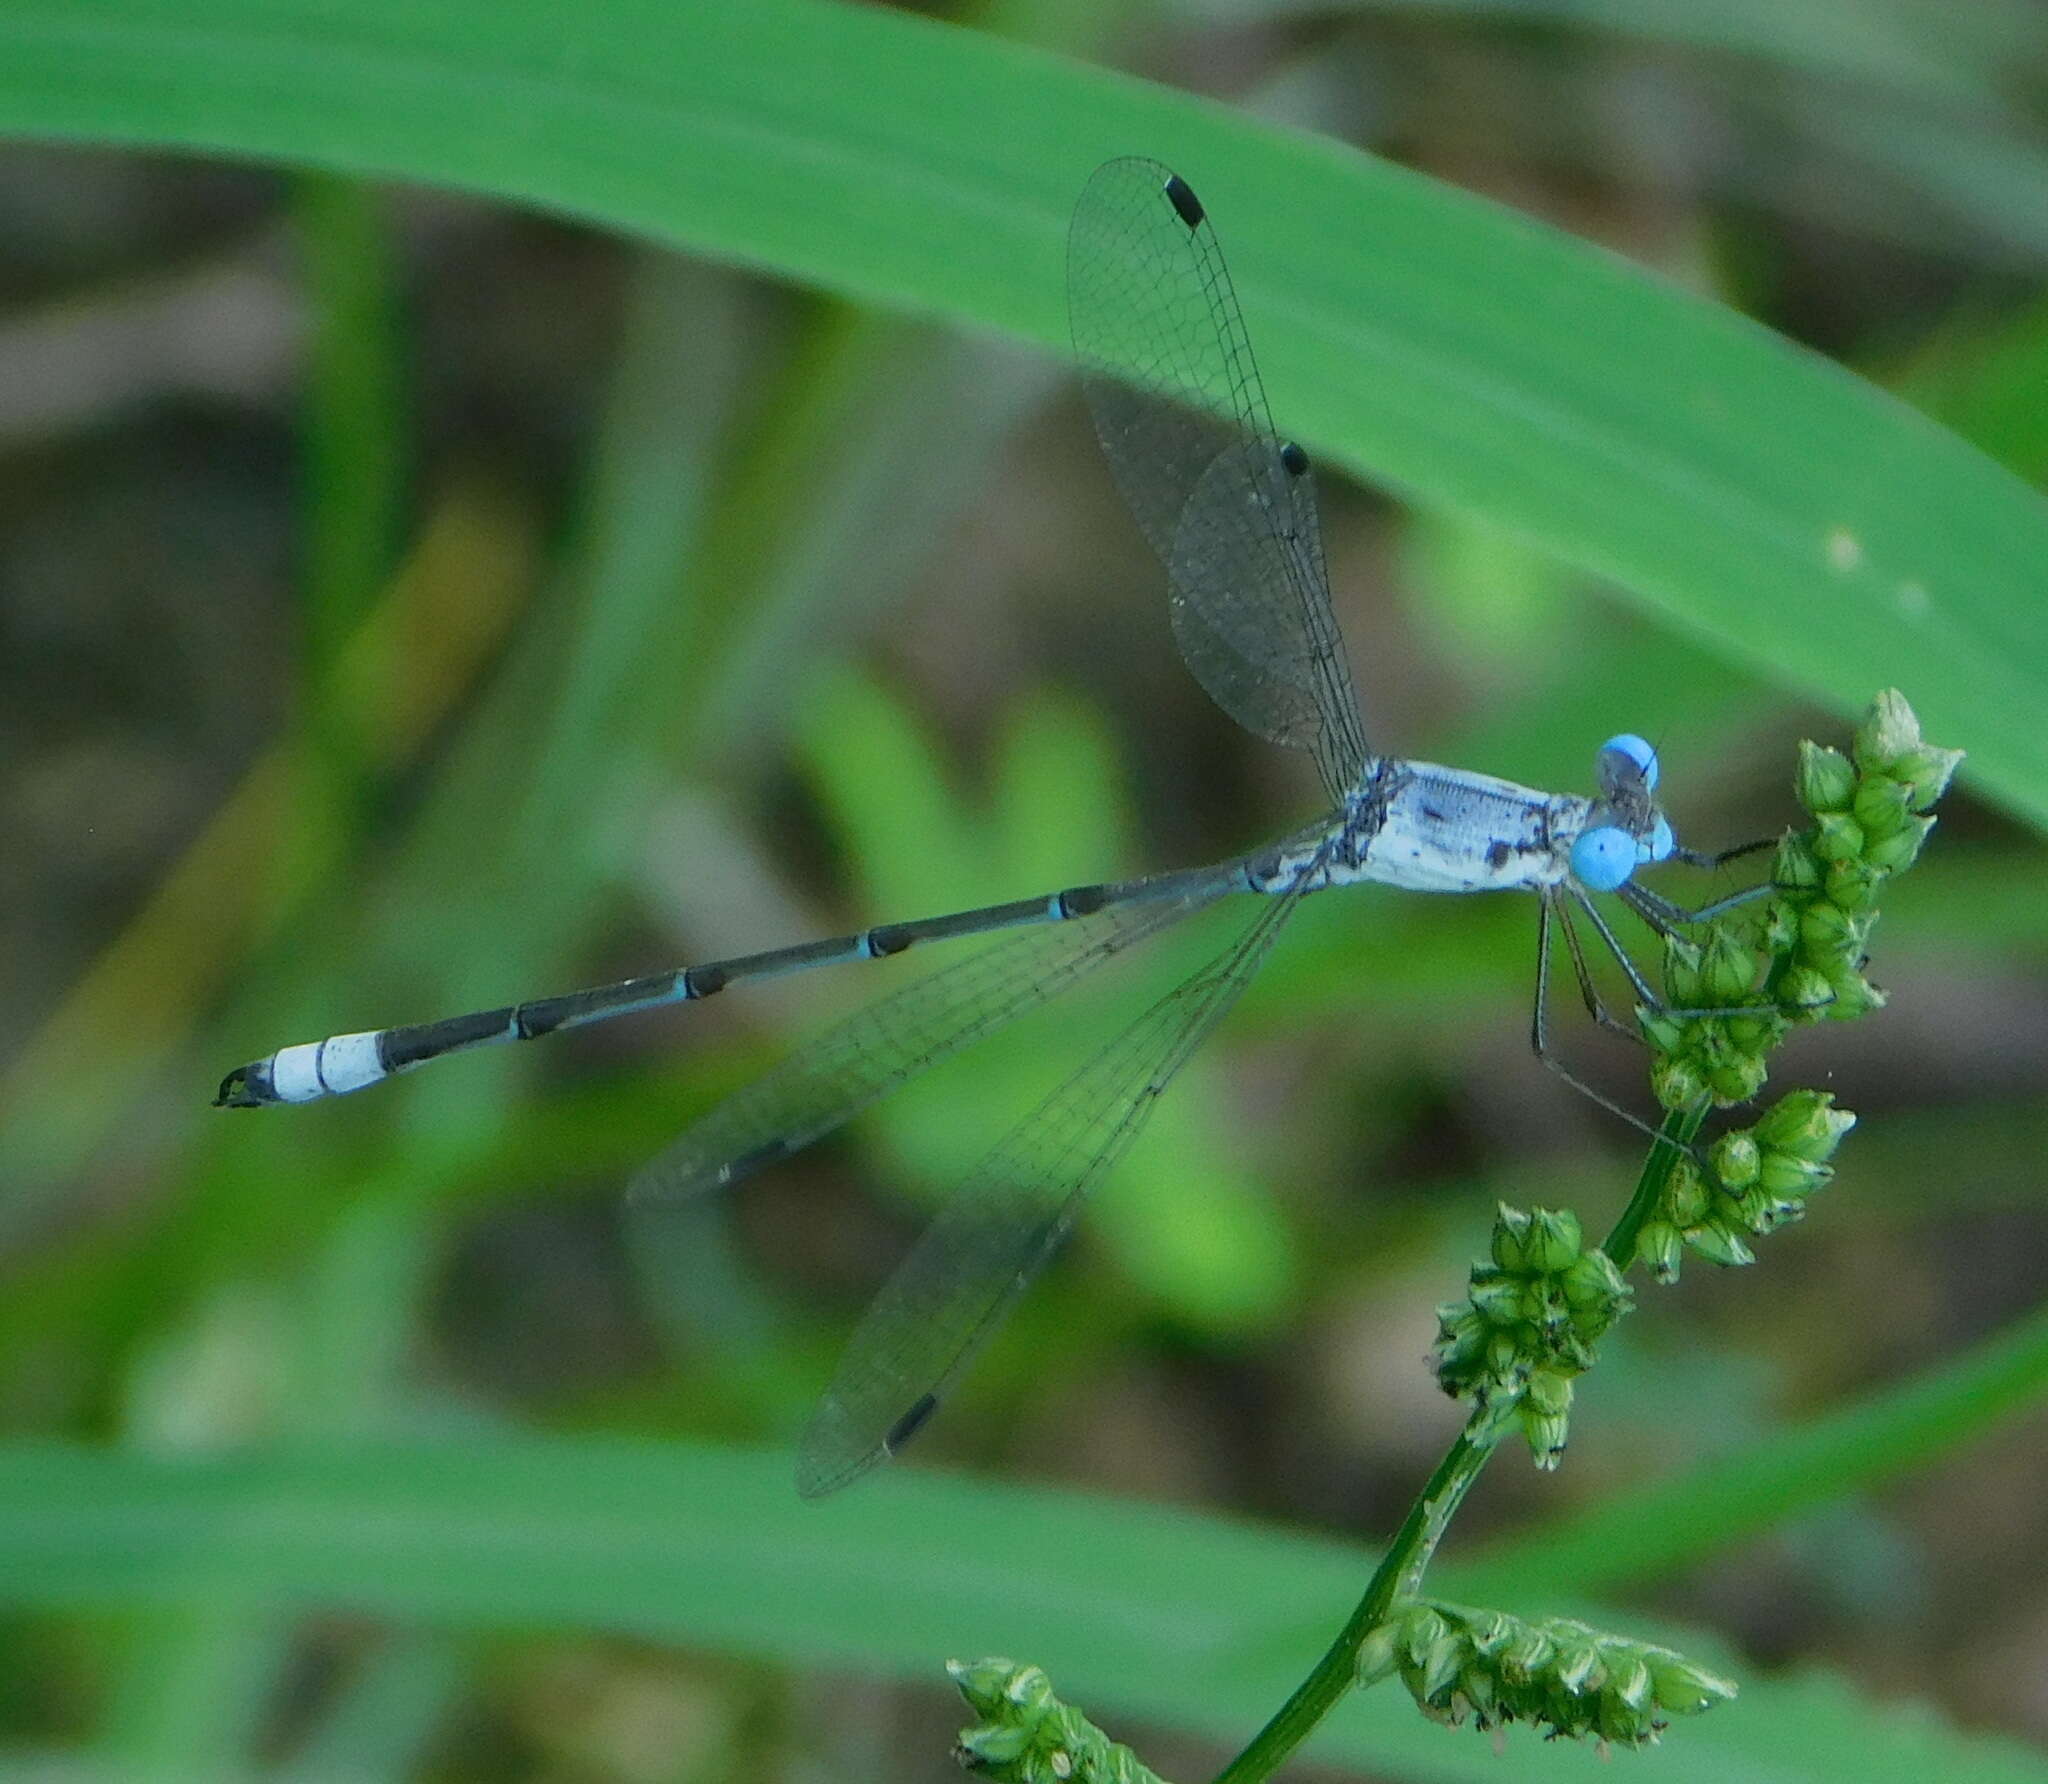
(509, 754)
(1756, 494)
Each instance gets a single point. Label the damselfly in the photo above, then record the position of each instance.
(1229, 505)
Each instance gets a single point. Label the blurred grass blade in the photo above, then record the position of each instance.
(815, 541)
(385, 1717)
(355, 469)
(81, 1072)
(1752, 492)
(191, 1690)
(1983, 375)
(1656, 1531)
(1151, 1612)
(1923, 49)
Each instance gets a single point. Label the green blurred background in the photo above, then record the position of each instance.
(417, 599)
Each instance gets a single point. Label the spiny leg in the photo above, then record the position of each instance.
(1539, 1033)
(1694, 858)
(1663, 916)
(1668, 918)
(1589, 991)
(1641, 985)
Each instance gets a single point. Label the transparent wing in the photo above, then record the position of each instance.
(1228, 505)
(994, 1235)
(871, 1052)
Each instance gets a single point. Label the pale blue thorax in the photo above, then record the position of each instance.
(1428, 828)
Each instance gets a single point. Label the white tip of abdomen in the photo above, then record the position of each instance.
(333, 1067)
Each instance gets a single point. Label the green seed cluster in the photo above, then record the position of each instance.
(1566, 1679)
(1870, 820)
(1027, 1736)
(1722, 1059)
(1870, 810)
(1762, 1177)
(1538, 1304)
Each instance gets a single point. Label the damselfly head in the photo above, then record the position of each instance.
(1627, 767)
(1625, 829)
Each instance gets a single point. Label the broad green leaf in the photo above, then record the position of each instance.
(1137, 1612)
(1661, 1530)
(1479, 362)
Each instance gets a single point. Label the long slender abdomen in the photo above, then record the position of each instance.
(343, 1063)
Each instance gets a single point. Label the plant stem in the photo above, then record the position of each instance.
(1397, 1577)
(1680, 1125)
(1399, 1574)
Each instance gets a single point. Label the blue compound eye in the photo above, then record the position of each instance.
(1638, 751)
(1657, 846)
(1603, 858)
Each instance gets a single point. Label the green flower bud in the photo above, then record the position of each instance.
(1889, 731)
(1629, 1682)
(1549, 1391)
(1789, 1178)
(1510, 1245)
(1854, 994)
(995, 1744)
(1685, 1194)
(1379, 1654)
(1422, 1626)
(1719, 1246)
(1682, 974)
(1593, 1284)
(1837, 837)
(1488, 1632)
(1554, 1240)
(1675, 1083)
(1757, 1211)
(1826, 780)
(1577, 1667)
(1753, 1034)
(1661, 1250)
(1805, 992)
(1737, 1079)
(1542, 1306)
(1460, 1344)
(1497, 1300)
(1780, 932)
(984, 1683)
(1826, 931)
(1853, 885)
(1735, 1158)
(1727, 972)
(1666, 1034)
(1546, 1435)
(1440, 1664)
(1683, 1688)
(1926, 772)
(1897, 853)
(1805, 1123)
(1879, 806)
(1480, 1690)
(1796, 867)
(1526, 1654)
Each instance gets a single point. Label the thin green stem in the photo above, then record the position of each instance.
(1399, 1574)
(1680, 1127)
(1397, 1577)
